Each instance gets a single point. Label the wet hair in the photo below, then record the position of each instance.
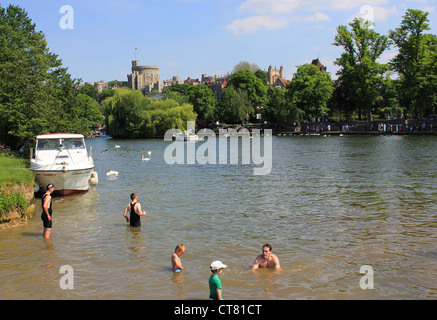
(133, 196)
(267, 246)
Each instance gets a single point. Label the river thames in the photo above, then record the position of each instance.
(329, 206)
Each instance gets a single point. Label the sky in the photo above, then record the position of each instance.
(98, 39)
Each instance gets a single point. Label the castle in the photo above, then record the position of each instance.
(146, 79)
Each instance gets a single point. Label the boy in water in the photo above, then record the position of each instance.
(175, 258)
(215, 285)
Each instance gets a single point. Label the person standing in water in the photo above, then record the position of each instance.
(46, 215)
(176, 262)
(134, 208)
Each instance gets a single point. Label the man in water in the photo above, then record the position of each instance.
(266, 259)
(134, 208)
(46, 215)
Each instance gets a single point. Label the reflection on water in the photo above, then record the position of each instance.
(330, 206)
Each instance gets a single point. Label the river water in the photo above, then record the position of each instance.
(329, 206)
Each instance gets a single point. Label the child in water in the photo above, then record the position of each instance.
(175, 258)
(215, 285)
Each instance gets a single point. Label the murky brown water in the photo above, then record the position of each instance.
(330, 206)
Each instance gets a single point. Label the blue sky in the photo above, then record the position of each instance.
(188, 38)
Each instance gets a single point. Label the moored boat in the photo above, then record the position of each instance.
(62, 159)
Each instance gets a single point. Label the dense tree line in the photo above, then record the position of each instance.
(129, 114)
(37, 95)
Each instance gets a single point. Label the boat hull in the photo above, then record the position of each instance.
(65, 182)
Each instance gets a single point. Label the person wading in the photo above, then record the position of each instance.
(134, 208)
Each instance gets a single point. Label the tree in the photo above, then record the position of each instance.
(360, 74)
(203, 100)
(37, 95)
(416, 63)
(234, 106)
(247, 81)
(262, 76)
(244, 65)
(310, 91)
(279, 109)
(129, 114)
(200, 96)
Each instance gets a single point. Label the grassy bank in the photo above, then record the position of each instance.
(16, 187)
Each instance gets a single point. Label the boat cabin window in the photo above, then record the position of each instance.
(73, 143)
(54, 144)
(47, 144)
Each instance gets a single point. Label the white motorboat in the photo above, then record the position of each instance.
(186, 136)
(62, 159)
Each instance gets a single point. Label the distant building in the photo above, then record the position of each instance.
(274, 74)
(217, 84)
(143, 78)
(319, 65)
(280, 83)
(192, 82)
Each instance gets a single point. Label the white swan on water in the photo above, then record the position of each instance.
(112, 173)
(144, 159)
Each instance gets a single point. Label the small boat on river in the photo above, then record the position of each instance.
(62, 159)
(186, 136)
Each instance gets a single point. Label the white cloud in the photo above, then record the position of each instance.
(375, 13)
(251, 24)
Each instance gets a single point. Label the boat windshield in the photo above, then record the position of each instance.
(54, 144)
(76, 143)
(47, 144)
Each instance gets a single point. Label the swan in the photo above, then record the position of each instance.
(144, 159)
(117, 146)
(112, 173)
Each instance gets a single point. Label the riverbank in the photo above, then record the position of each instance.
(16, 190)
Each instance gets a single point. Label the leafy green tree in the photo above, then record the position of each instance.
(247, 81)
(89, 90)
(310, 91)
(416, 63)
(200, 96)
(262, 76)
(234, 106)
(129, 114)
(360, 74)
(279, 109)
(37, 95)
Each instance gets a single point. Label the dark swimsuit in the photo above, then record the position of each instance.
(47, 224)
(134, 217)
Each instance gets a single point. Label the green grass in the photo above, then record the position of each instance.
(14, 169)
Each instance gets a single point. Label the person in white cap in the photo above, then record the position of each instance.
(215, 285)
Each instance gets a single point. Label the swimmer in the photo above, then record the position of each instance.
(267, 259)
(175, 258)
